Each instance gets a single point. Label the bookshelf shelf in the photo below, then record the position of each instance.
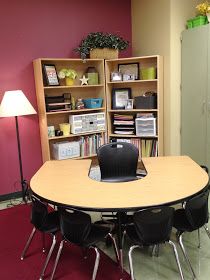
(75, 111)
(132, 82)
(75, 135)
(130, 136)
(73, 86)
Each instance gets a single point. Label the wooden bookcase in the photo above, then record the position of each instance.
(138, 87)
(77, 91)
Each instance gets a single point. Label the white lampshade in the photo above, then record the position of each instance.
(15, 103)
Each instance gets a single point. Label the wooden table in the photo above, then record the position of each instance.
(169, 180)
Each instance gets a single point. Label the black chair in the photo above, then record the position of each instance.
(118, 162)
(76, 228)
(45, 222)
(151, 227)
(193, 216)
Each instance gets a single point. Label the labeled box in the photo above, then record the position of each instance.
(65, 150)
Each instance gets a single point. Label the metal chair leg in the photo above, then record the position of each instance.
(28, 243)
(95, 270)
(177, 258)
(48, 257)
(199, 239)
(155, 250)
(131, 261)
(115, 246)
(186, 256)
(207, 230)
(57, 259)
(43, 242)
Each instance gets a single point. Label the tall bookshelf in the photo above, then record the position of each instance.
(76, 90)
(149, 145)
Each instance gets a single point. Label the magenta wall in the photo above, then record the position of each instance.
(34, 29)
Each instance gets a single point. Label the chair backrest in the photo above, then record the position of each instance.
(205, 168)
(75, 225)
(154, 225)
(196, 210)
(39, 213)
(118, 161)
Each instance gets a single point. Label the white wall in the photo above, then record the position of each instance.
(156, 29)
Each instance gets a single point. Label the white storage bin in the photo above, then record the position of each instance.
(87, 122)
(145, 126)
(65, 150)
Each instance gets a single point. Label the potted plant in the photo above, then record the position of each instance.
(98, 41)
(203, 9)
(68, 74)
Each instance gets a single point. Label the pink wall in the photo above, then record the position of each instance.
(49, 28)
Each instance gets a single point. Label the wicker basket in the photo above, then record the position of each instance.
(104, 53)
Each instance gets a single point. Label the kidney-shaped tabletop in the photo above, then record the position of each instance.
(168, 180)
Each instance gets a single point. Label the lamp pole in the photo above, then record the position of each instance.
(23, 182)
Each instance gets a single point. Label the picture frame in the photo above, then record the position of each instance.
(50, 75)
(129, 69)
(129, 104)
(116, 76)
(120, 97)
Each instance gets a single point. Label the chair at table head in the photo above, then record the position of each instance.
(192, 217)
(45, 222)
(118, 162)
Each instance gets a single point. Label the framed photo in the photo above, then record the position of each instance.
(120, 97)
(50, 75)
(116, 76)
(129, 104)
(129, 70)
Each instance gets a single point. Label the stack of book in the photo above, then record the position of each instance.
(149, 148)
(123, 124)
(90, 144)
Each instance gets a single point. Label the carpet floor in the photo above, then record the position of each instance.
(15, 228)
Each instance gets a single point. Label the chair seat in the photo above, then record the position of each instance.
(97, 233)
(181, 222)
(51, 224)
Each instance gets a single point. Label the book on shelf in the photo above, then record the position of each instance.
(146, 147)
(90, 144)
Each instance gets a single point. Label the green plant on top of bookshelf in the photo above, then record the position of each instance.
(95, 40)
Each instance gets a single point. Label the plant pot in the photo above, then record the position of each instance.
(69, 81)
(104, 53)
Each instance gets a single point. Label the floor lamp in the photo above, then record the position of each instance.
(14, 104)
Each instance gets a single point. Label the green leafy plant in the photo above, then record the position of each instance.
(101, 40)
(67, 73)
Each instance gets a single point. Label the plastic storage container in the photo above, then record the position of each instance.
(199, 20)
(190, 23)
(92, 103)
